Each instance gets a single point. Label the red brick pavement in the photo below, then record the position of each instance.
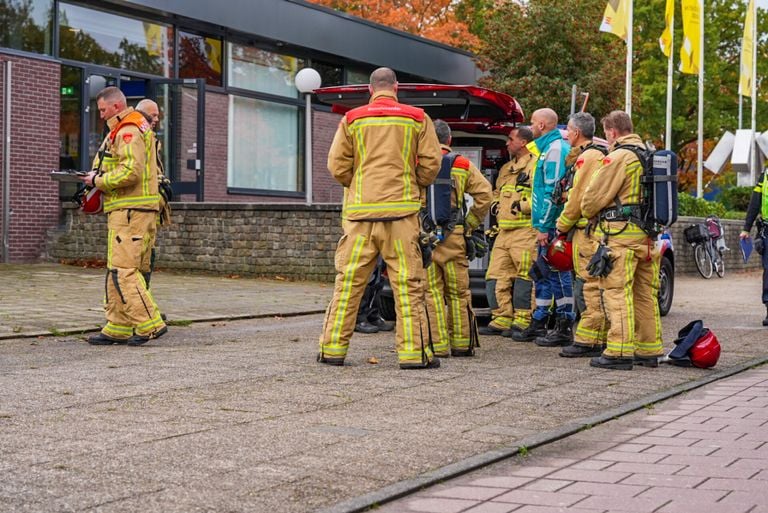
(705, 451)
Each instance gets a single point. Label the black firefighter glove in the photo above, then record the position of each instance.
(427, 242)
(601, 263)
(476, 244)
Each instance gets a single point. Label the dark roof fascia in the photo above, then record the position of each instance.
(300, 23)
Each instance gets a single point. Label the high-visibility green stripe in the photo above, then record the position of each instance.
(629, 304)
(453, 288)
(517, 223)
(406, 154)
(361, 155)
(346, 289)
(525, 266)
(374, 207)
(437, 300)
(406, 314)
(386, 121)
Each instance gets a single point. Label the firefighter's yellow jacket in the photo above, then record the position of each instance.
(513, 193)
(585, 161)
(384, 153)
(618, 177)
(129, 164)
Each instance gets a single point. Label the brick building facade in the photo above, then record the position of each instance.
(34, 205)
(245, 56)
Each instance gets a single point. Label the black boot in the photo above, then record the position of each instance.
(537, 328)
(366, 327)
(765, 321)
(562, 335)
(490, 330)
(580, 351)
(607, 362)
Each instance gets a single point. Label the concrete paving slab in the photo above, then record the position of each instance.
(216, 401)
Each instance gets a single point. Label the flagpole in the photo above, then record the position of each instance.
(700, 142)
(628, 85)
(670, 70)
(752, 170)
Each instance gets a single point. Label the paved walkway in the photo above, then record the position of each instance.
(60, 299)
(238, 416)
(706, 451)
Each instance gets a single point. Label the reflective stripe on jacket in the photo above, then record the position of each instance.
(384, 153)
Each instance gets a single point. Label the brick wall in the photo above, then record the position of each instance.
(34, 152)
(326, 189)
(294, 241)
(733, 261)
(290, 240)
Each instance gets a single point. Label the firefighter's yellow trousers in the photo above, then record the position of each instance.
(398, 243)
(593, 325)
(449, 299)
(130, 308)
(511, 258)
(630, 298)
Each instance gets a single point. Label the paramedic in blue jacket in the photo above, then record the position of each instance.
(550, 150)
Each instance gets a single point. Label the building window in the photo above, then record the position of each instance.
(26, 25)
(263, 145)
(98, 37)
(329, 74)
(357, 76)
(200, 57)
(262, 71)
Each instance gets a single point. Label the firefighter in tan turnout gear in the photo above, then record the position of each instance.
(385, 154)
(453, 329)
(126, 173)
(515, 243)
(630, 285)
(585, 158)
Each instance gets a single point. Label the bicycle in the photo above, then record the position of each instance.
(708, 241)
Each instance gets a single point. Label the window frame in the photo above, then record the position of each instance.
(284, 100)
(125, 13)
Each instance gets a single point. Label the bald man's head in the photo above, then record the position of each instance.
(543, 121)
(150, 111)
(383, 79)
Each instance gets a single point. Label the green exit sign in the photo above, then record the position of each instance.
(68, 91)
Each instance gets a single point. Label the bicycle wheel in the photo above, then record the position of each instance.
(719, 263)
(703, 262)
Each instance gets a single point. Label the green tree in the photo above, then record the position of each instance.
(536, 51)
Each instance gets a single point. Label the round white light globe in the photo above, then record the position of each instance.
(307, 80)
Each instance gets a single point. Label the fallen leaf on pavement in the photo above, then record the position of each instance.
(373, 360)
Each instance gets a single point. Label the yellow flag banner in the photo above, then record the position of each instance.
(615, 18)
(745, 75)
(689, 51)
(666, 37)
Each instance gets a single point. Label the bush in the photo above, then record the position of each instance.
(699, 207)
(735, 198)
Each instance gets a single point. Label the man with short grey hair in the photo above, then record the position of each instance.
(584, 159)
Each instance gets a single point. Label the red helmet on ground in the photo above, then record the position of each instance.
(695, 345)
(91, 200)
(560, 254)
(705, 351)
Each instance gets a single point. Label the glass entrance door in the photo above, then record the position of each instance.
(181, 132)
(96, 129)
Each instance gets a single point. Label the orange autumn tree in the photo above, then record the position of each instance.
(432, 19)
